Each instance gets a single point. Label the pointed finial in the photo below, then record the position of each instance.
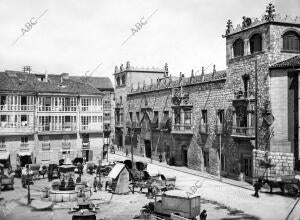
(127, 65)
(214, 68)
(202, 72)
(192, 74)
(270, 12)
(229, 27)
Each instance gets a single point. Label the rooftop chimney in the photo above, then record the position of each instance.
(63, 77)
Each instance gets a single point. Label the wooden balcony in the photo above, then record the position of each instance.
(203, 128)
(17, 107)
(66, 127)
(182, 129)
(15, 128)
(243, 132)
(43, 108)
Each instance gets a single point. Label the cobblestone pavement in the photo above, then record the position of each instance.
(222, 201)
(233, 194)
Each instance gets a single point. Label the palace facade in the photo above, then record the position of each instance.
(227, 122)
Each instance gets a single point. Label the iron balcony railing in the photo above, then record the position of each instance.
(243, 131)
(182, 128)
(17, 107)
(203, 128)
(91, 127)
(24, 146)
(219, 128)
(243, 95)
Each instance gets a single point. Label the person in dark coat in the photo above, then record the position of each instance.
(95, 184)
(160, 157)
(203, 215)
(257, 186)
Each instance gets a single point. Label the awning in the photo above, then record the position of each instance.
(4, 155)
(116, 170)
(24, 153)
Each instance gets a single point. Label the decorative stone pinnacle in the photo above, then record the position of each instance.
(270, 12)
(214, 68)
(127, 65)
(229, 26)
(203, 70)
(192, 74)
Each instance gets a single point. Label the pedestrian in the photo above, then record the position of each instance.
(160, 157)
(127, 152)
(95, 184)
(203, 215)
(257, 186)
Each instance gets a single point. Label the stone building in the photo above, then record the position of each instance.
(208, 122)
(126, 78)
(46, 117)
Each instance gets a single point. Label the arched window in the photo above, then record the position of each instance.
(123, 79)
(291, 41)
(118, 81)
(255, 43)
(238, 48)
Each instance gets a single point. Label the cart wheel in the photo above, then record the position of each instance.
(291, 189)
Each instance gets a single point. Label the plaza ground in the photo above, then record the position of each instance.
(226, 199)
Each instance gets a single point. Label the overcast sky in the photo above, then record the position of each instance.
(76, 36)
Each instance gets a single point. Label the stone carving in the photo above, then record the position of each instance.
(270, 12)
(246, 22)
(229, 27)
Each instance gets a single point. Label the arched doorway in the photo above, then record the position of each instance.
(184, 153)
(148, 148)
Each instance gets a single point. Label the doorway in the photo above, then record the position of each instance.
(184, 152)
(247, 166)
(148, 148)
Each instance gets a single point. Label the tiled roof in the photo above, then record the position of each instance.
(24, 82)
(288, 63)
(101, 83)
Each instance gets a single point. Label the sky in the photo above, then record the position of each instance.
(93, 36)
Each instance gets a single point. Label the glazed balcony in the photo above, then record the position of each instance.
(57, 127)
(16, 128)
(243, 132)
(17, 107)
(182, 129)
(43, 108)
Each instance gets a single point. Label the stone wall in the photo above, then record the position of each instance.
(282, 163)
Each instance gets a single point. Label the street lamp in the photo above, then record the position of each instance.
(28, 185)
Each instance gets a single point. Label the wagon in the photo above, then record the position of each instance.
(175, 201)
(6, 180)
(286, 183)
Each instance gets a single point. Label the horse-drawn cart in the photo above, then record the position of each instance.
(286, 183)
